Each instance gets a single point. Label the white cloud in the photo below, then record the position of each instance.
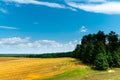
(108, 7)
(83, 29)
(24, 45)
(96, 0)
(86, 1)
(36, 2)
(7, 27)
(14, 40)
(3, 10)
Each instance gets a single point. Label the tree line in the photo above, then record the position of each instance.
(100, 50)
(45, 55)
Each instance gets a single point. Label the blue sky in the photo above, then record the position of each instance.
(42, 26)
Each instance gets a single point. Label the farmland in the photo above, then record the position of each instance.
(51, 69)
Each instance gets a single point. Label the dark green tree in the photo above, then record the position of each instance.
(77, 52)
(116, 58)
(113, 41)
(101, 37)
(110, 59)
(88, 54)
(101, 50)
(101, 62)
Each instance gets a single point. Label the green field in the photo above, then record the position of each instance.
(51, 69)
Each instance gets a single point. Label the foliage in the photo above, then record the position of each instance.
(47, 55)
(106, 46)
(101, 62)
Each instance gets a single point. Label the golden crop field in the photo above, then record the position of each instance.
(34, 68)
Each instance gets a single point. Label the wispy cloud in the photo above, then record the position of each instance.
(24, 45)
(36, 2)
(14, 40)
(96, 0)
(83, 29)
(8, 27)
(3, 10)
(43, 3)
(106, 7)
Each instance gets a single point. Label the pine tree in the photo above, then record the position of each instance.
(101, 62)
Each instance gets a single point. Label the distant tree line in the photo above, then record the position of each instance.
(45, 55)
(100, 49)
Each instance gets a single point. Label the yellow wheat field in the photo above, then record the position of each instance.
(34, 68)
